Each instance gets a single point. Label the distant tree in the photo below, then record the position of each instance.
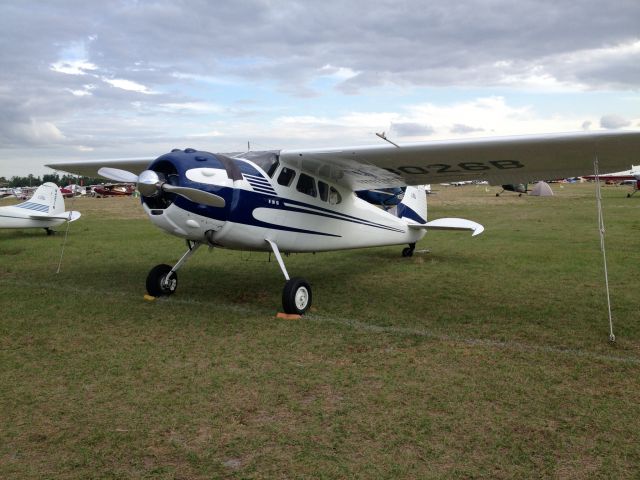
(66, 179)
(51, 177)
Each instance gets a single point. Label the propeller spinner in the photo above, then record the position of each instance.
(150, 185)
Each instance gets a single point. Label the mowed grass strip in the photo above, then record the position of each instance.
(487, 356)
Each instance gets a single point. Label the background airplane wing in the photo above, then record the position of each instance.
(89, 168)
(498, 160)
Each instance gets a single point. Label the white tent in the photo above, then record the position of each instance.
(541, 189)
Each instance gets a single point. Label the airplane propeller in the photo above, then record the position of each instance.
(150, 185)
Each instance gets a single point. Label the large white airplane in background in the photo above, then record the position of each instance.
(633, 174)
(626, 176)
(316, 199)
(45, 209)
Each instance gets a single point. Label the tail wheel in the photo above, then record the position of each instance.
(296, 296)
(161, 281)
(407, 252)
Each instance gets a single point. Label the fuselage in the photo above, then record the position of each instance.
(18, 217)
(297, 210)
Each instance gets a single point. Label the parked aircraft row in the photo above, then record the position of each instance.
(73, 190)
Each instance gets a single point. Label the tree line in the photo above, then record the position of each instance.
(33, 181)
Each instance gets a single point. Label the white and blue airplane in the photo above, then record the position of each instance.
(317, 199)
(45, 209)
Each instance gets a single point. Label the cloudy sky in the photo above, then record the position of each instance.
(128, 78)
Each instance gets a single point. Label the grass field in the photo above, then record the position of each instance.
(486, 357)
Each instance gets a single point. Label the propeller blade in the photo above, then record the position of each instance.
(118, 175)
(195, 195)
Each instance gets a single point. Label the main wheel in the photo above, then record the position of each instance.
(407, 252)
(161, 281)
(296, 296)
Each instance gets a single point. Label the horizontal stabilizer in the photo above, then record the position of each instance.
(70, 216)
(450, 224)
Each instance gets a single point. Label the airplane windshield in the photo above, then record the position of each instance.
(267, 160)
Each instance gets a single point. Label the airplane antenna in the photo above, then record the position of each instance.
(384, 137)
(612, 337)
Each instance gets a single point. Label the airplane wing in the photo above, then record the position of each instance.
(499, 160)
(89, 168)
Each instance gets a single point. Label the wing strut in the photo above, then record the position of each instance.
(276, 252)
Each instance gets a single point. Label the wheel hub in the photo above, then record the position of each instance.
(168, 282)
(301, 298)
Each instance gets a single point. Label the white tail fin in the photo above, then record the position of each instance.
(46, 199)
(413, 206)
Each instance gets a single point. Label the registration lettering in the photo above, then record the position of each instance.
(436, 168)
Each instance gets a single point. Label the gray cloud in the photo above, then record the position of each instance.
(206, 45)
(613, 122)
(459, 128)
(411, 129)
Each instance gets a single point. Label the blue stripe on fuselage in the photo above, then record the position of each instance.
(33, 206)
(242, 203)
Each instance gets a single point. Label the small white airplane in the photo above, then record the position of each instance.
(45, 209)
(311, 200)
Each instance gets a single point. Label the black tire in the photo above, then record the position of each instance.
(156, 281)
(296, 296)
(497, 194)
(628, 195)
(407, 252)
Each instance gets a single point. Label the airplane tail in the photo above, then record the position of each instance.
(413, 206)
(46, 199)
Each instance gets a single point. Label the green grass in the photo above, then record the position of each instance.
(487, 357)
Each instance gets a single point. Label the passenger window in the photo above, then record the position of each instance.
(286, 176)
(323, 190)
(334, 196)
(307, 185)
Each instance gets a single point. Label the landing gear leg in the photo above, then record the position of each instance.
(163, 279)
(408, 251)
(296, 295)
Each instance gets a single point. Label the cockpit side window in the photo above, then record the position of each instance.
(307, 185)
(323, 190)
(286, 176)
(334, 196)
